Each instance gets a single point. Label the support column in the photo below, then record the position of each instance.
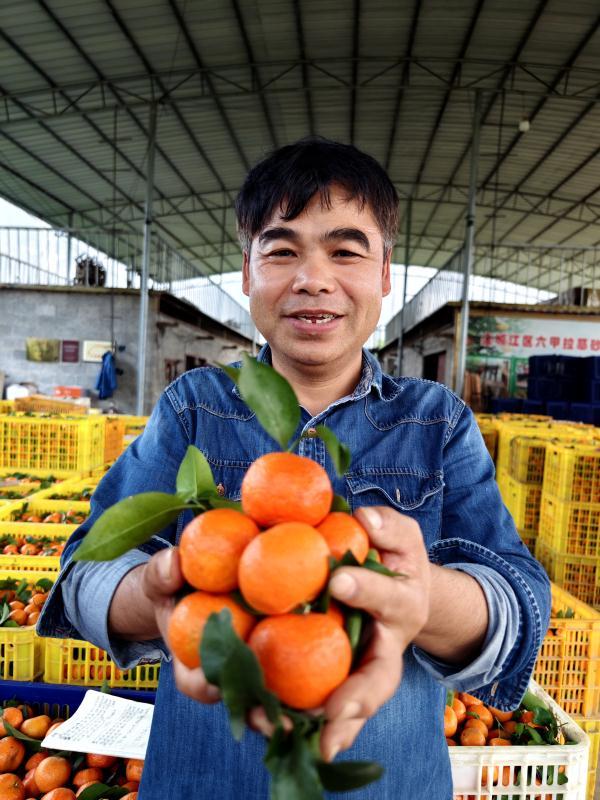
(400, 350)
(468, 248)
(143, 317)
(69, 248)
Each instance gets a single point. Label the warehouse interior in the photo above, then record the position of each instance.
(126, 131)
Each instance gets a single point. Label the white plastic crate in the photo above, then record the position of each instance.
(474, 769)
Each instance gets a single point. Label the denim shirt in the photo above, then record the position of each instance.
(416, 448)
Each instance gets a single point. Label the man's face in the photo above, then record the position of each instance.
(316, 282)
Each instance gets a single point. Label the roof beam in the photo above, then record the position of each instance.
(209, 82)
(507, 72)
(355, 57)
(254, 72)
(305, 77)
(455, 74)
(404, 80)
(96, 129)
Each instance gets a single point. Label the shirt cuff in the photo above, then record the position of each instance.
(87, 592)
(502, 633)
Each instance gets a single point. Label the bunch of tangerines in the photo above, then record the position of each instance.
(27, 775)
(275, 555)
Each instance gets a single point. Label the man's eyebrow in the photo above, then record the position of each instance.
(352, 234)
(281, 232)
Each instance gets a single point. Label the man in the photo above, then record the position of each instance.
(317, 222)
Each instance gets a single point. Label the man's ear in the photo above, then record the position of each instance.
(246, 272)
(386, 276)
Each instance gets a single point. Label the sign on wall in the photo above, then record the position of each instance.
(94, 350)
(70, 351)
(42, 349)
(499, 347)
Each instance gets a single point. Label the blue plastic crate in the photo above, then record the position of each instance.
(534, 407)
(592, 368)
(57, 700)
(559, 409)
(585, 412)
(532, 388)
(512, 405)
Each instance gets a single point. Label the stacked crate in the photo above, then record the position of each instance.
(522, 489)
(568, 543)
(64, 445)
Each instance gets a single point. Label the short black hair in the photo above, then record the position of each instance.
(291, 176)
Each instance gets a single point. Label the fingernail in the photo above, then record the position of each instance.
(350, 711)
(164, 567)
(373, 518)
(342, 585)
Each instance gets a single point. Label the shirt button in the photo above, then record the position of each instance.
(220, 490)
(311, 433)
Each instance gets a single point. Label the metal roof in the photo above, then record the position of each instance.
(235, 79)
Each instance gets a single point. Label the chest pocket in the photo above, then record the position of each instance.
(417, 495)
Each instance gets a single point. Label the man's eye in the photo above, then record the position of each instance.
(283, 253)
(346, 254)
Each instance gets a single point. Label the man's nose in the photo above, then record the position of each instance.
(313, 276)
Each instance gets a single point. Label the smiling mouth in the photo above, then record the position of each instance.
(315, 319)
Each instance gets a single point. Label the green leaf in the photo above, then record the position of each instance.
(292, 765)
(344, 776)
(339, 453)
(232, 666)
(194, 476)
(127, 524)
(223, 502)
(45, 584)
(271, 398)
(10, 623)
(100, 791)
(233, 372)
(354, 626)
(34, 744)
(375, 566)
(340, 503)
(4, 612)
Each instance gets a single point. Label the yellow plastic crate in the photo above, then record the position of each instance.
(507, 431)
(568, 664)
(70, 661)
(7, 406)
(113, 439)
(63, 490)
(523, 501)
(21, 654)
(592, 728)
(579, 575)
(490, 437)
(572, 528)
(529, 538)
(43, 404)
(42, 507)
(573, 472)
(527, 454)
(502, 481)
(57, 444)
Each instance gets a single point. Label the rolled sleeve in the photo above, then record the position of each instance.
(87, 593)
(504, 625)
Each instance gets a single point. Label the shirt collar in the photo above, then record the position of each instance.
(370, 377)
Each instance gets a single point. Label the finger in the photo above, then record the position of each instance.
(259, 721)
(372, 684)
(391, 531)
(385, 598)
(162, 574)
(338, 736)
(193, 683)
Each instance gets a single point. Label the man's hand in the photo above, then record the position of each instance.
(400, 609)
(162, 579)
